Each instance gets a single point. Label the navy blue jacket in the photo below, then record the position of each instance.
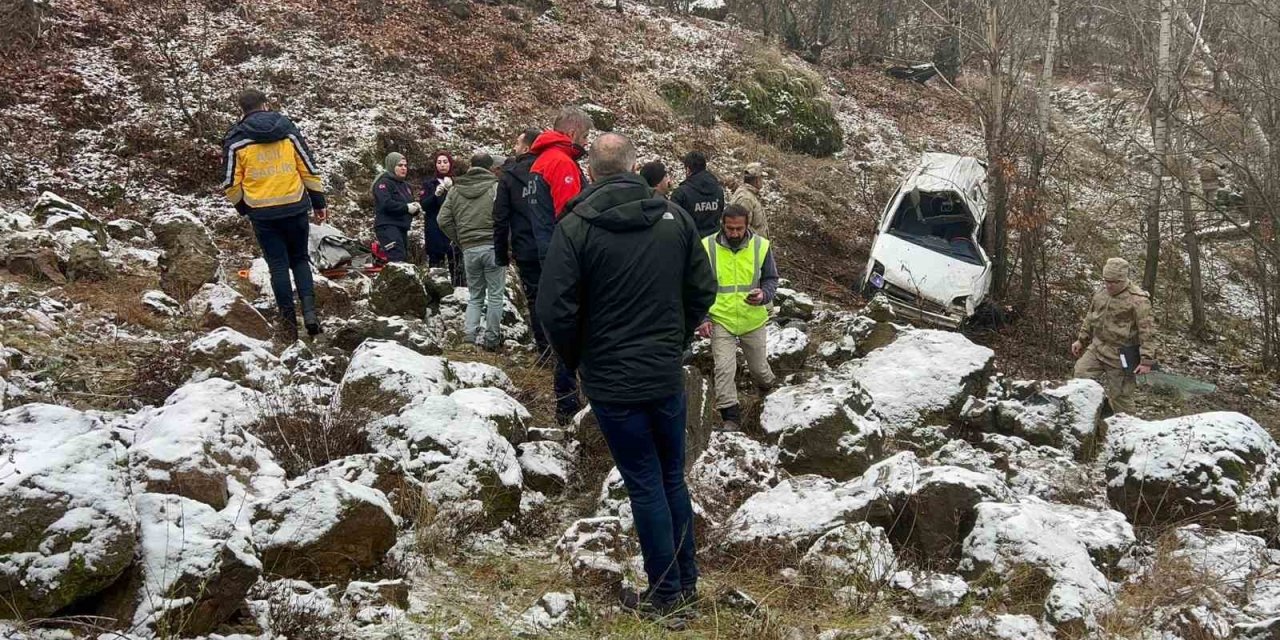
(391, 198)
(523, 217)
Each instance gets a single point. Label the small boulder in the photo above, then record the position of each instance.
(794, 514)
(383, 593)
(324, 529)
(161, 304)
(217, 305)
(190, 259)
(546, 466)
(786, 349)
(550, 612)
(1065, 416)
(227, 353)
(595, 550)
(128, 231)
(1220, 468)
(69, 530)
(930, 593)
(40, 263)
(385, 376)
(1000, 627)
(381, 472)
(348, 333)
(398, 291)
(601, 117)
(733, 468)
(793, 305)
(923, 377)
(856, 554)
(821, 428)
(507, 415)
(194, 569)
(85, 260)
(57, 214)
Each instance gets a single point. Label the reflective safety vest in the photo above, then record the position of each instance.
(737, 273)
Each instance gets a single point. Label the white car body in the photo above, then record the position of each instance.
(926, 276)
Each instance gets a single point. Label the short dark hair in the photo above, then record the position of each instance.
(653, 172)
(251, 100)
(481, 160)
(695, 161)
(529, 134)
(735, 211)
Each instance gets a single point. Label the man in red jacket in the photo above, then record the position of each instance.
(556, 171)
(558, 152)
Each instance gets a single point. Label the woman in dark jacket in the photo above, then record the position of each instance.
(440, 250)
(394, 208)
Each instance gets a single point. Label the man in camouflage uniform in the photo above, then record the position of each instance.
(748, 195)
(1119, 315)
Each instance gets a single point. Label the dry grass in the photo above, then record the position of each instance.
(119, 298)
(648, 108)
(302, 435)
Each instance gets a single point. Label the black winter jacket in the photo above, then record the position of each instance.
(702, 196)
(624, 285)
(391, 198)
(523, 218)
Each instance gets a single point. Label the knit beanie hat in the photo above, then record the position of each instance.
(392, 159)
(653, 172)
(1116, 270)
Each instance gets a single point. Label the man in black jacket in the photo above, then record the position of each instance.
(518, 229)
(700, 194)
(625, 284)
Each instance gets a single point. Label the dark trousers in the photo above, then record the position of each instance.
(450, 258)
(393, 240)
(284, 247)
(647, 444)
(566, 379)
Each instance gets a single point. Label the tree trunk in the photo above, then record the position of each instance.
(1030, 239)
(1192, 243)
(1159, 133)
(996, 236)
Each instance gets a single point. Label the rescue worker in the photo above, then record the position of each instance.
(700, 194)
(655, 174)
(394, 207)
(1119, 317)
(521, 230)
(746, 280)
(623, 289)
(748, 195)
(272, 179)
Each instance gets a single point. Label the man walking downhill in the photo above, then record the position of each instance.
(272, 179)
(700, 194)
(623, 289)
(746, 280)
(560, 179)
(467, 218)
(1118, 329)
(522, 228)
(748, 195)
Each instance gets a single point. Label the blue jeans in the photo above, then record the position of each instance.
(647, 444)
(284, 247)
(486, 282)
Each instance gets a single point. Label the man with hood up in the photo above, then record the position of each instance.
(700, 194)
(272, 179)
(467, 218)
(1117, 340)
(625, 284)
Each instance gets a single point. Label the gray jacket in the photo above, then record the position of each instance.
(467, 213)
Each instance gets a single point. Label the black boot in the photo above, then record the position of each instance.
(287, 327)
(730, 419)
(309, 319)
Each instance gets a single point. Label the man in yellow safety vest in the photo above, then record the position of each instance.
(746, 280)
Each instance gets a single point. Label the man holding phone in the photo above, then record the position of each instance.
(746, 281)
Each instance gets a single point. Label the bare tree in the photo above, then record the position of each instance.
(1160, 106)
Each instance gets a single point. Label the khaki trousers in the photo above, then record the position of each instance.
(724, 348)
(1117, 384)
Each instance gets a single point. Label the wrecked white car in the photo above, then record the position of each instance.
(927, 258)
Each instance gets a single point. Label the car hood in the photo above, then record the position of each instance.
(933, 276)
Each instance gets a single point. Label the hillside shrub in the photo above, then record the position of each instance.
(782, 104)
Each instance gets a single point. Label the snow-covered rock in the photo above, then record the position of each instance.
(929, 592)
(196, 445)
(794, 513)
(924, 376)
(384, 376)
(508, 416)
(512, 326)
(733, 468)
(1000, 627)
(378, 471)
(793, 304)
(786, 349)
(550, 612)
(1060, 542)
(161, 303)
(822, 428)
(349, 332)
(1235, 564)
(217, 305)
(398, 291)
(324, 529)
(595, 550)
(1220, 468)
(190, 259)
(68, 527)
(227, 353)
(57, 214)
(856, 554)
(546, 466)
(128, 231)
(1065, 416)
(1044, 472)
(193, 570)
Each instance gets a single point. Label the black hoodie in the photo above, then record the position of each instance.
(625, 284)
(702, 196)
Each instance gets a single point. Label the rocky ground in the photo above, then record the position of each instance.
(168, 470)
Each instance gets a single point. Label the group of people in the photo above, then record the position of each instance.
(620, 271)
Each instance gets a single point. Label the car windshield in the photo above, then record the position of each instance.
(938, 221)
